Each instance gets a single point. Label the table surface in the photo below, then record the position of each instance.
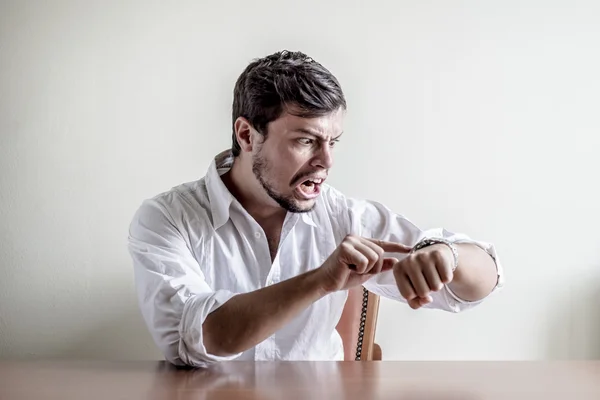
(65, 380)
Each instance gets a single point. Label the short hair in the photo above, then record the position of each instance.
(284, 81)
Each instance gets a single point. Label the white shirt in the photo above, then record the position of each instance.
(194, 247)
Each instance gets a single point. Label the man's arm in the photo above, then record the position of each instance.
(192, 323)
(433, 267)
(476, 275)
(479, 272)
(173, 294)
(247, 319)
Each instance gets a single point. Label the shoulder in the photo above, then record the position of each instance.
(175, 207)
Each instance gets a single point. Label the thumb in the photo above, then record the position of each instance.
(418, 302)
(388, 263)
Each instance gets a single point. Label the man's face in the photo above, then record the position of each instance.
(295, 158)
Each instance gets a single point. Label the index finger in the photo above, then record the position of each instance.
(392, 247)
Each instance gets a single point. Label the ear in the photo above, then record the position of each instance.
(243, 133)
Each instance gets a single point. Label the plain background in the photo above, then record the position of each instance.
(478, 117)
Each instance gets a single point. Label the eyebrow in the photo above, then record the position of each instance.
(317, 135)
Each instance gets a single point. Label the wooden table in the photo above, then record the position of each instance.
(89, 380)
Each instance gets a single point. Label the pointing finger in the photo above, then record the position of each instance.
(392, 247)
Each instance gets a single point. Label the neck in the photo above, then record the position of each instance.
(244, 186)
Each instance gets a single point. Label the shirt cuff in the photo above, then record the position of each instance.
(191, 345)
(491, 251)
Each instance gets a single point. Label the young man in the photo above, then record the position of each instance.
(253, 261)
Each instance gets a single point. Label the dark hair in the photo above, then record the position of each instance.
(283, 81)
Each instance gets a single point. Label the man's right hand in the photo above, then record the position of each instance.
(356, 260)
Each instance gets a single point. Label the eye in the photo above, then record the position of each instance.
(334, 142)
(305, 141)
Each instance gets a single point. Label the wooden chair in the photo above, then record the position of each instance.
(358, 324)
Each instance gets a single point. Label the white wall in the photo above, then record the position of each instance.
(481, 118)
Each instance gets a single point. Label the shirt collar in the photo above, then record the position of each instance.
(221, 198)
(308, 219)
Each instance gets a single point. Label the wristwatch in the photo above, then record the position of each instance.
(435, 240)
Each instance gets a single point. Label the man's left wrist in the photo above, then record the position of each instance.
(430, 241)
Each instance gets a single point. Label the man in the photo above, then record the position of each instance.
(254, 260)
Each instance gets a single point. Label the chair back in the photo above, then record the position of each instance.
(357, 325)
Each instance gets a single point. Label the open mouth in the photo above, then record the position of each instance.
(310, 188)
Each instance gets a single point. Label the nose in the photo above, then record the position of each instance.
(324, 157)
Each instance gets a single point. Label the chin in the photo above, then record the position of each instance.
(306, 205)
(293, 201)
(299, 206)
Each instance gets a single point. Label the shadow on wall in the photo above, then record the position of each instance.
(123, 337)
(575, 331)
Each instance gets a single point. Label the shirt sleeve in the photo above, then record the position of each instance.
(374, 220)
(173, 294)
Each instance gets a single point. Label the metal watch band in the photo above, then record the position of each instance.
(434, 240)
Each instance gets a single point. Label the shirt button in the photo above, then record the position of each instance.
(257, 235)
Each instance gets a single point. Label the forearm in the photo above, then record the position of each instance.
(247, 319)
(476, 275)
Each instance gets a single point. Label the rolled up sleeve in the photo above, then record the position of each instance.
(173, 294)
(374, 220)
